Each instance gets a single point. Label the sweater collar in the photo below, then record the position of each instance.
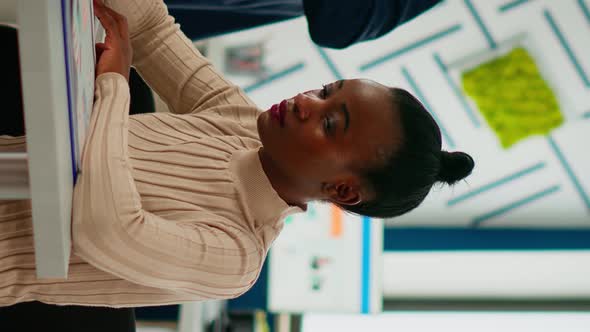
(256, 191)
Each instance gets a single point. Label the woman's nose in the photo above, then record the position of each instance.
(303, 105)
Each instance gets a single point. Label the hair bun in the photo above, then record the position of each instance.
(454, 166)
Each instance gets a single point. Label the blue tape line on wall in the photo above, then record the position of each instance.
(585, 9)
(468, 110)
(450, 142)
(486, 32)
(331, 65)
(569, 171)
(477, 221)
(420, 43)
(497, 183)
(511, 5)
(274, 77)
(566, 47)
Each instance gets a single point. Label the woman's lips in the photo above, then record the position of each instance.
(274, 113)
(283, 112)
(278, 112)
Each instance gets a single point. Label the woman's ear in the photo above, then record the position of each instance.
(347, 192)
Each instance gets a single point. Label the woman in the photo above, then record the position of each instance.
(182, 207)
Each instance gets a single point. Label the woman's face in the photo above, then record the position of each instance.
(321, 138)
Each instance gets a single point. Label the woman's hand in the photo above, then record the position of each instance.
(114, 55)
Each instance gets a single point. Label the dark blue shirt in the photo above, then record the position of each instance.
(331, 23)
(341, 23)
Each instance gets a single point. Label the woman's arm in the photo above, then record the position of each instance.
(170, 63)
(209, 257)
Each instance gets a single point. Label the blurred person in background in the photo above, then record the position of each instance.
(331, 23)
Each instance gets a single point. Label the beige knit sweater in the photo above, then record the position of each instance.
(168, 208)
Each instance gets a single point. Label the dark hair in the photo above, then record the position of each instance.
(414, 166)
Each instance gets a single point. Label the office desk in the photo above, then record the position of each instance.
(56, 41)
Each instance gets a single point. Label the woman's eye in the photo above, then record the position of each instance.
(324, 92)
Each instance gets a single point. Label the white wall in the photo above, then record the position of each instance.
(450, 322)
(465, 275)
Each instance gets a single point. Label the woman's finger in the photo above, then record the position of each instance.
(121, 21)
(106, 20)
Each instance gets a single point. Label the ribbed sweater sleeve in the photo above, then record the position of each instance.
(170, 63)
(113, 232)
